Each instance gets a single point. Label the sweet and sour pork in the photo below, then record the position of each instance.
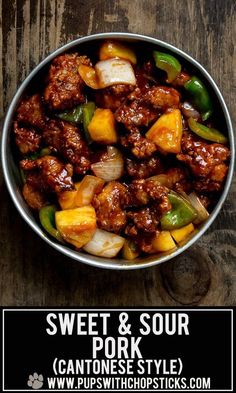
(63, 160)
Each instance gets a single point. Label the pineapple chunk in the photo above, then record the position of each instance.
(67, 200)
(88, 187)
(111, 49)
(166, 132)
(181, 233)
(76, 226)
(102, 128)
(163, 242)
(77, 185)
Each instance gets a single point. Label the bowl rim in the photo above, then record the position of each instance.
(88, 259)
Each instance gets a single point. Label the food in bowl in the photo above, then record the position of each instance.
(120, 155)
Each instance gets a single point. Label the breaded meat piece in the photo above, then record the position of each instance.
(144, 106)
(207, 162)
(135, 112)
(48, 174)
(141, 192)
(35, 198)
(108, 205)
(30, 112)
(65, 85)
(113, 96)
(28, 140)
(162, 97)
(145, 219)
(140, 146)
(66, 139)
(141, 169)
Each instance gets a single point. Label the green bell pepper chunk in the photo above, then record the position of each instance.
(210, 134)
(74, 116)
(47, 220)
(181, 214)
(88, 112)
(32, 156)
(81, 114)
(167, 63)
(200, 96)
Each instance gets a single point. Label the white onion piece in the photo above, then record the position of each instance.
(185, 196)
(108, 170)
(112, 168)
(189, 111)
(115, 71)
(104, 244)
(202, 213)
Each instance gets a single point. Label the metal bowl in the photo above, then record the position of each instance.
(11, 172)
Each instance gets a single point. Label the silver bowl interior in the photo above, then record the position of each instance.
(11, 172)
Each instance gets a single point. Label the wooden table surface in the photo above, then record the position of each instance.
(31, 273)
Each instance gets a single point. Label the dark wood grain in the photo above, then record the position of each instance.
(32, 273)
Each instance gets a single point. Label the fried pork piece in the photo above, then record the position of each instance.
(143, 106)
(140, 146)
(146, 75)
(30, 112)
(206, 162)
(48, 174)
(137, 194)
(36, 199)
(159, 194)
(67, 140)
(144, 219)
(65, 86)
(209, 184)
(162, 97)
(181, 79)
(142, 239)
(108, 205)
(112, 97)
(141, 169)
(134, 112)
(143, 222)
(141, 192)
(180, 179)
(28, 140)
